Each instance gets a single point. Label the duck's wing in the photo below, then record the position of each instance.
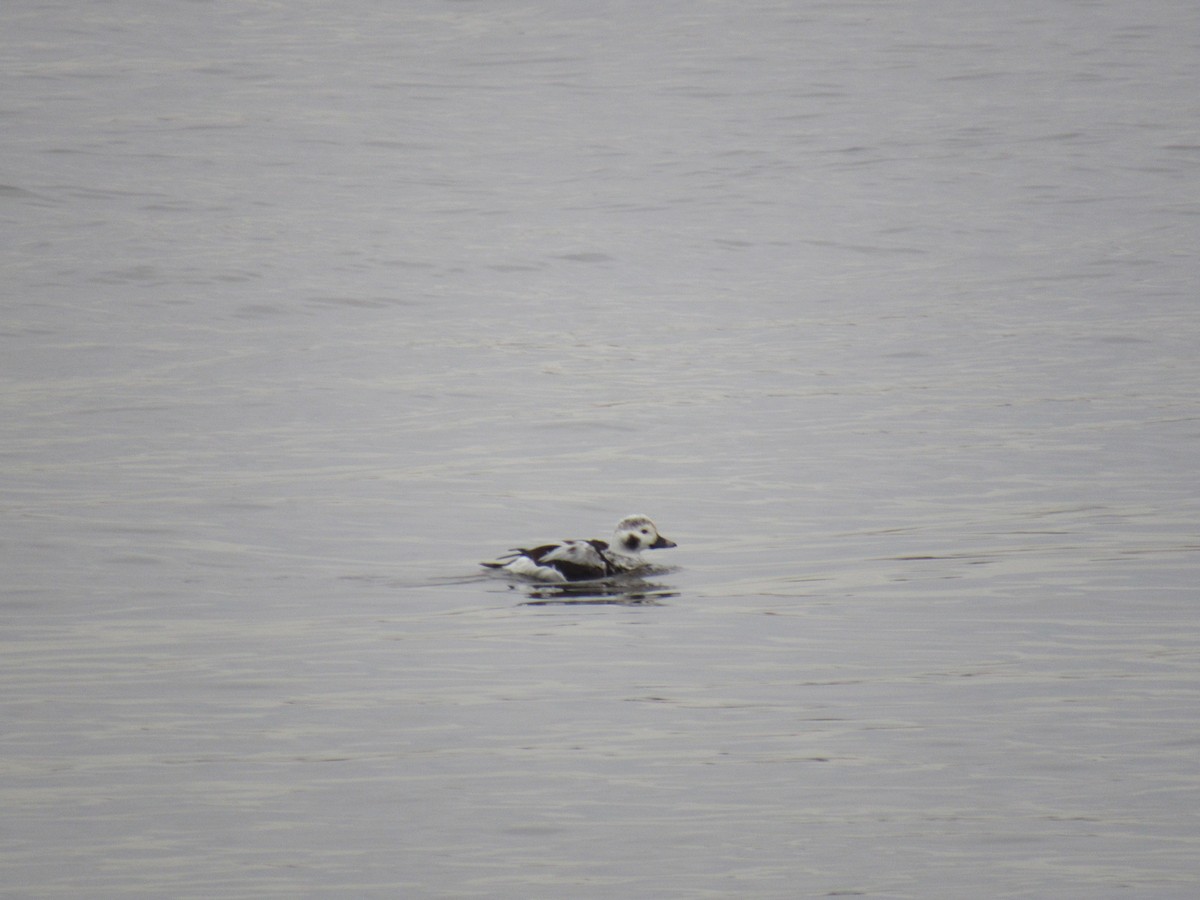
(576, 560)
(561, 561)
(582, 553)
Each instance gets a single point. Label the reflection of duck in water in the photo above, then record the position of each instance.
(623, 590)
(565, 561)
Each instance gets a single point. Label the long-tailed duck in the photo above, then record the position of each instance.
(586, 560)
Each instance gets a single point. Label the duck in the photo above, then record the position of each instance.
(574, 560)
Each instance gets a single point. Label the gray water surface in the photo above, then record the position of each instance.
(886, 313)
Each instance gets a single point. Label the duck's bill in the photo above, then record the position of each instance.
(662, 543)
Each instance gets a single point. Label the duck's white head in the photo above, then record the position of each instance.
(637, 533)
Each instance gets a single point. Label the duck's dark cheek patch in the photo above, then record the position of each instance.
(632, 541)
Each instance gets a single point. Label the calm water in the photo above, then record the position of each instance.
(887, 314)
